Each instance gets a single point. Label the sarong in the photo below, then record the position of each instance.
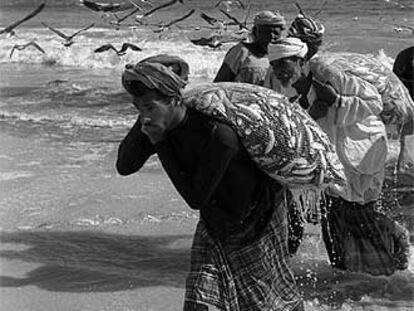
(360, 239)
(252, 277)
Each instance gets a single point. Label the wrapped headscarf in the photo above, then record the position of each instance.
(170, 60)
(269, 18)
(287, 47)
(153, 76)
(307, 29)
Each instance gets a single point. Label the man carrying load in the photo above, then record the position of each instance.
(348, 109)
(239, 257)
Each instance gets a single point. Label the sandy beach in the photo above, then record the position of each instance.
(94, 244)
(76, 236)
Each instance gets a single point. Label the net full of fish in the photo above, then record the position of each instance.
(280, 136)
(397, 103)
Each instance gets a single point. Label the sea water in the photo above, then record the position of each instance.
(63, 114)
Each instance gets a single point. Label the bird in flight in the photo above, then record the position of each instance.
(106, 7)
(243, 24)
(9, 29)
(214, 41)
(228, 4)
(163, 27)
(68, 39)
(20, 47)
(121, 51)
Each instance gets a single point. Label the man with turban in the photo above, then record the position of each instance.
(247, 61)
(308, 30)
(239, 257)
(357, 237)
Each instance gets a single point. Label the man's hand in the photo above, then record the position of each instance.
(154, 132)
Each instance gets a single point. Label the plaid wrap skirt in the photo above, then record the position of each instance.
(255, 276)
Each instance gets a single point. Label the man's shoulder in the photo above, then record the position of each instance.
(220, 130)
(237, 50)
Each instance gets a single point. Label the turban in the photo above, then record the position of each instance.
(307, 29)
(153, 76)
(170, 60)
(269, 18)
(287, 47)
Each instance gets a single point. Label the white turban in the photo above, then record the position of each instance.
(287, 47)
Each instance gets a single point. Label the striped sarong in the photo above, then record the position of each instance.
(251, 277)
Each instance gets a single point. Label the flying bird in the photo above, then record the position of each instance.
(214, 41)
(138, 9)
(400, 28)
(121, 51)
(9, 29)
(106, 7)
(21, 47)
(162, 6)
(162, 27)
(68, 39)
(242, 25)
(228, 3)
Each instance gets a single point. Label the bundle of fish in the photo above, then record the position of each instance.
(397, 103)
(280, 136)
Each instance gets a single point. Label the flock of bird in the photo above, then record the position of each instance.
(145, 9)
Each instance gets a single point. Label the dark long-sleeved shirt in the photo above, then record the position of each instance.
(209, 167)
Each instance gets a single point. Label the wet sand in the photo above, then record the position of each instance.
(76, 236)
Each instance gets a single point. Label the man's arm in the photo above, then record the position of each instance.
(224, 74)
(133, 151)
(198, 189)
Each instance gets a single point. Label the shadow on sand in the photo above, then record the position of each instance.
(101, 262)
(91, 261)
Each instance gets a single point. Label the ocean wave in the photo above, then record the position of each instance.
(66, 120)
(204, 62)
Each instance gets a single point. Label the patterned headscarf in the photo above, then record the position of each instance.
(153, 76)
(287, 47)
(269, 18)
(170, 60)
(307, 29)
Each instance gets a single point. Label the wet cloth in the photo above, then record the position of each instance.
(234, 276)
(360, 239)
(280, 137)
(245, 65)
(353, 123)
(397, 106)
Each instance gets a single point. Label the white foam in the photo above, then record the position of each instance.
(6, 176)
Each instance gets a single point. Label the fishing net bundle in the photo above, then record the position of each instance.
(397, 103)
(280, 137)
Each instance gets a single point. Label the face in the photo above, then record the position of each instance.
(266, 34)
(287, 70)
(155, 110)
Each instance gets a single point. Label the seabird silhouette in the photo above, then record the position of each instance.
(9, 29)
(121, 51)
(162, 27)
(106, 7)
(68, 39)
(228, 4)
(214, 41)
(20, 47)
